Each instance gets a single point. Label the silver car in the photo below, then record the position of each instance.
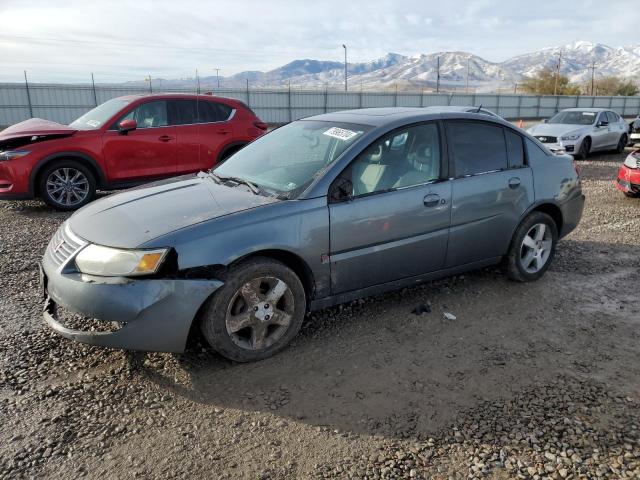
(580, 131)
(321, 211)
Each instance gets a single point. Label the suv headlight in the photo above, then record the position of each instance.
(13, 154)
(575, 136)
(114, 262)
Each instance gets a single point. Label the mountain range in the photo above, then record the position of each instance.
(420, 71)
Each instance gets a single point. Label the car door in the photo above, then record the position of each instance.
(393, 223)
(217, 130)
(491, 189)
(601, 132)
(146, 152)
(183, 114)
(617, 127)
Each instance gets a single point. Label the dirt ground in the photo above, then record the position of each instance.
(536, 380)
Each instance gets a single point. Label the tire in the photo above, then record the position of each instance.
(238, 320)
(622, 143)
(520, 266)
(67, 185)
(631, 194)
(585, 148)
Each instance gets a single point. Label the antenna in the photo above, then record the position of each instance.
(479, 108)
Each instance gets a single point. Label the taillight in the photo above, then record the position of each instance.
(260, 125)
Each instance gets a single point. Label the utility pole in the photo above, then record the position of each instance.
(93, 85)
(438, 76)
(466, 90)
(345, 66)
(26, 84)
(593, 75)
(515, 88)
(197, 82)
(217, 76)
(555, 86)
(148, 79)
(499, 80)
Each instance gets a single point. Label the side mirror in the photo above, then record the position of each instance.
(127, 125)
(341, 190)
(602, 123)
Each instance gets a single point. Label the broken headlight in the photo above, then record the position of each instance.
(13, 154)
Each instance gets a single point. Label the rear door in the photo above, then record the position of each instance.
(183, 114)
(146, 152)
(491, 189)
(395, 223)
(601, 134)
(217, 130)
(617, 128)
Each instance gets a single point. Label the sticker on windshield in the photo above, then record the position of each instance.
(93, 123)
(340, 133)
(588, 114)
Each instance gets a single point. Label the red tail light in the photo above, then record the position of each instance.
(260, 125)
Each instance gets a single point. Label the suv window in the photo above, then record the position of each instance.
(403, 158)
(515, 149)
(148, 115)
(213, 112)
(476, 147)
(183, 112)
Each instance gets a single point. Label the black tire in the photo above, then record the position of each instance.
(235, 346)
(86, 185)
(514, 260)
(622, 143)
(585, 148)
(631, 194)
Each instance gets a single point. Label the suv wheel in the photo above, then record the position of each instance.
(532, 248)
(67, 185)
(257, 311)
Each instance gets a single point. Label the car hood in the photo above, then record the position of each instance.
(32, 130)
(555, 129)
(134, 217)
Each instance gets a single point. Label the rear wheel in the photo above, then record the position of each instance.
(622, 143)
(67, 185)
(257, 311)
(532, 248)
(585, 148)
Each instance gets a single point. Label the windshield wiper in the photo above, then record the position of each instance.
(252, 186)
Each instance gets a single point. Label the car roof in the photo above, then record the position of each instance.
(590, 109)
(382, 116)
(199, 96)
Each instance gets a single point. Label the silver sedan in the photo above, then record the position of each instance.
(580, 131)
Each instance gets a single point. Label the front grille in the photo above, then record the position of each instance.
(546, 139)
(63, 245)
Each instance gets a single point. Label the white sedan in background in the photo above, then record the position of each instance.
(580, 131)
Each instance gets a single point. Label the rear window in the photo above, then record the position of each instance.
(515, 149)
(476, 147)
(213, 112)
(183, 112)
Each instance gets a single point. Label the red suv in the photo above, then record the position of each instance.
(125, 141)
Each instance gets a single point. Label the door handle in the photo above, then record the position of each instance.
(514, 182)
(431, 200)
(165, 138)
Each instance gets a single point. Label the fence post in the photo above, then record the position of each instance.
(577, 100)
(93, 85)
(326, 96)
(449, 98)
(519, 114)
(289, 104)
(557, 103)
(498, 106)
(624, 106)
(395, 98)
(360, 97)
(473, 99)
(248, 98)
(26, 83)
(610, 103)
(539, 100)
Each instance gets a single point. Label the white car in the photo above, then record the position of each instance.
(634, 131)
(580, 131)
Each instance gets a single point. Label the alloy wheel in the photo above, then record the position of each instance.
(536, 248)
(260, 313)
(67, 186)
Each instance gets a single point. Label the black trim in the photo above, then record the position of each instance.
(16, 196)
(71, 155)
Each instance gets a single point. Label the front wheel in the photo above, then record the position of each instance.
(257, 311)
(622, 143)
(585, 148)
(532, 248)
(67, 185)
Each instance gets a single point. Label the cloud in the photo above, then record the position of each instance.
(119, 40)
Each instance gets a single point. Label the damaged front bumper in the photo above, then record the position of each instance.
(153, 314)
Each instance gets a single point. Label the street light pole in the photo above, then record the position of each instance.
(555, 86)
(593, 75)
(438, 77)
(345, 66)
(467, 86)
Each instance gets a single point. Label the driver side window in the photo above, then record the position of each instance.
(149, 115)
(403, 158)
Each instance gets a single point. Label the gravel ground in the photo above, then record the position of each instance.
(529, 381)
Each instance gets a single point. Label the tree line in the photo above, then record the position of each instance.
(548, 82)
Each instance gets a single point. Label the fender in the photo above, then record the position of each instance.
(535, 206)
(101, 179)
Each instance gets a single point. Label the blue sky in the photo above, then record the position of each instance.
(65, 40)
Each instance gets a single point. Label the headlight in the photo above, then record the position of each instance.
(113, 262)
(571, 137)
(632, 160)
(13, 154)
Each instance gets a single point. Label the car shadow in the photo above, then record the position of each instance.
(374, 367)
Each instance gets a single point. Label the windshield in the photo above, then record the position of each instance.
(286, 161)
(574, 118)
(94, 119)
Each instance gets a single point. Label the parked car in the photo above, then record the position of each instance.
(580, 131)
(628, 180)
(318, 212)
(125, 141)
(634, 131)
